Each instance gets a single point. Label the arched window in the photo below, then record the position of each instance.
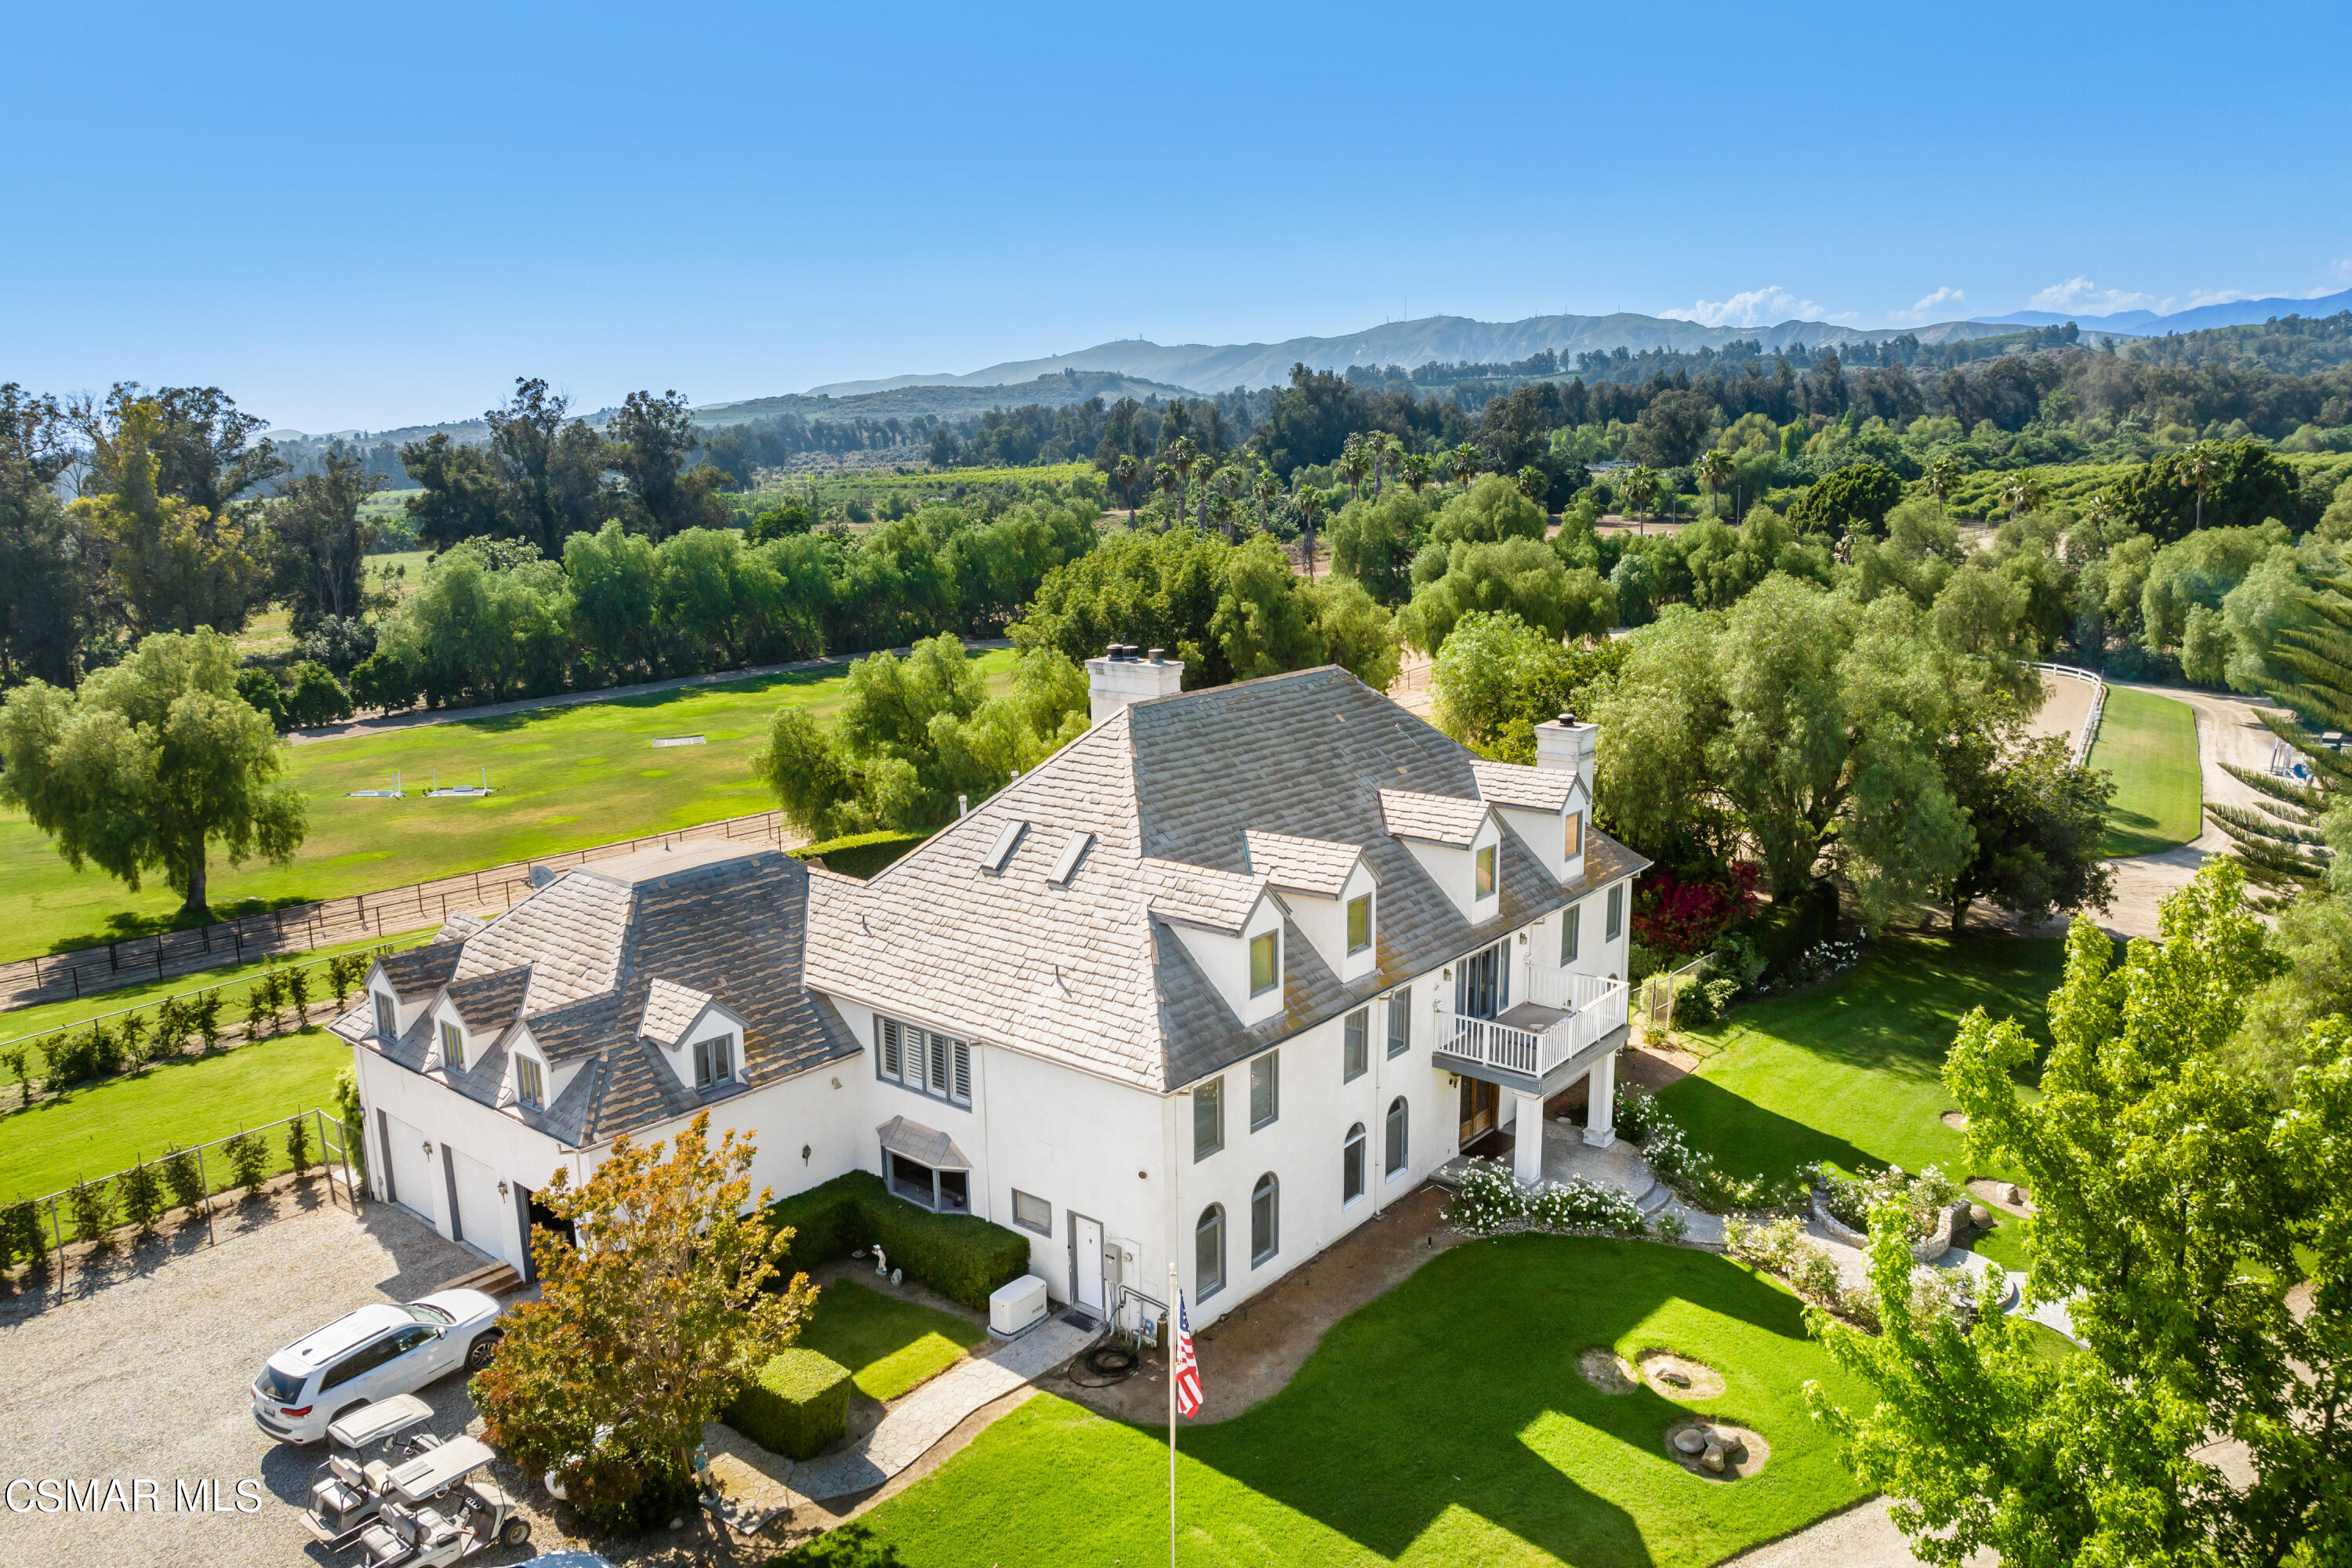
(1265, 1219)
(1351, 1165)
(1398, 1145)
(1209, 1253)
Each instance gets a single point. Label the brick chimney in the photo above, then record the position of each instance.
(1564, 744)
(1125, 675)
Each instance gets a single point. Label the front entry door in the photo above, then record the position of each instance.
(1480, 1102)
(1087, 1264)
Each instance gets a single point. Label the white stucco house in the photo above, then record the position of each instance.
(1213, 985)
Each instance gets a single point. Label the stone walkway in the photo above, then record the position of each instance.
(916, 1422)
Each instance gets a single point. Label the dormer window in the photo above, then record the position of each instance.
(1575, 834)
(452, 1046)
(1265, 963)
(1483, 884)
(531, 1086)
(387, 1017)
(714, 1061)
(1360, 923)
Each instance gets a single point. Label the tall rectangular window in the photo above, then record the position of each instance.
(1400, 1022)
(1615, 927)
(939, 1058)
(529, 1087)
(387, 1016)
(1571, 918)
(452, 1046)
(1265, 963)
(1486, 882)
(1360, 923)
(1265, 1089)
(1356, 1055)
(714, 1061)
(887, 1060)
(1208, 1118)
(1575, 846)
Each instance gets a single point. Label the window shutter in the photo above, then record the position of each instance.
(938, 1064)
(963, 1071)
(889, 1032)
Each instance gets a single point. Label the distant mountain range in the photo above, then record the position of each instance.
(2147, 323)
(1207, 368)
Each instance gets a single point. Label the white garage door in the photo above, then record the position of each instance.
(482, 1214)
(411, 1173)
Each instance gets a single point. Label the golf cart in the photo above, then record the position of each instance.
(437, 1510)
(352, 1485)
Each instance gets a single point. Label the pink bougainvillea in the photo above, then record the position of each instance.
(1686, 917)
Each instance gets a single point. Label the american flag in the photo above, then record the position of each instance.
(1188, 1368)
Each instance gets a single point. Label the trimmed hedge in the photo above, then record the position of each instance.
(962, 1257)
(799, 1408)
(860, 855)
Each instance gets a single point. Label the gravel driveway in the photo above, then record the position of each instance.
(144, 1376)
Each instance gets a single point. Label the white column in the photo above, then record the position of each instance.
(1600, 1102)
(1527, 1138)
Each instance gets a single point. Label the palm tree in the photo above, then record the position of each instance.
(1713, 471)
(1416, 470)
(1355, 462)
(1183, 455)
(1388, 453)
(2099, 511)
(1641, 489)
(2026, 492)
(1466, 462)
(1169, 483)
(1266, 488)
(1943, 479)
(1310, 501)
(1125, 471)
(1533, 482)
(2199, 466)
(1227, 482)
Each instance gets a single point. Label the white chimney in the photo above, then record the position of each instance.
(1562, 743)
(1123, 676)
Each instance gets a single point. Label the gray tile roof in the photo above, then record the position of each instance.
(491, 1000)
(924, 1145)
(733, 929)
(1315, 866)
(1515, 784)
(1436, 818)
(1090, 974)
(670, 1010)
(421, 971)
(1221, 900)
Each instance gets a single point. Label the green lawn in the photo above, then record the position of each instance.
(97, 1131)
(23, 1023)
(1442, 1425)
(1850, 1071)
(890, 1346)
(2150, 745)
(565, 777)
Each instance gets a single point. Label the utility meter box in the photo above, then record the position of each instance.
(1017, 1306)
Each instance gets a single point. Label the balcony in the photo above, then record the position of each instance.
(1563, 1015)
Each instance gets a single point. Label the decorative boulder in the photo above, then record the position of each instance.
(1979, 1215)
(1690, 1440)
(1713, 1457)
(2012, 1195)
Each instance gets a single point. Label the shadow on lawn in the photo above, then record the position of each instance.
(1720, 1121)
(1433, 1399)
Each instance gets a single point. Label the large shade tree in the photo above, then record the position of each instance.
(152, 766)
(2196, 1218)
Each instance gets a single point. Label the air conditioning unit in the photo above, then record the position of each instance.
(1016, 1308)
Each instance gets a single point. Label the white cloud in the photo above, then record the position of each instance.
(1756, 308)
(2080, 296)
(1934, 306)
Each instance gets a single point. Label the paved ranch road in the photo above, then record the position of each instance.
(2227, 731)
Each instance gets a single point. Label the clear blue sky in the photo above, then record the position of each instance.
(366, 216)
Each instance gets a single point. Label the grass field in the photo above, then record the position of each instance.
(565, 777)
(1444, 1425)
(97, 1131)
(890, 1346)
(2150, 745)
(24, 1022)
(1850, 1071)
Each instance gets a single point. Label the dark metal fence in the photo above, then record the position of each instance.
(210, 1172)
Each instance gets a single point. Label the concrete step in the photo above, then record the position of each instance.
(1657, 1197)
(491, 1279)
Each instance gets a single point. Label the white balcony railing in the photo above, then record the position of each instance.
(1594, 1006)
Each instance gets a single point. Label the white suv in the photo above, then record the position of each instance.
(370, 1354)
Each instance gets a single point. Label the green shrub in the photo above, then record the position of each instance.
(248, 1161)
(204, 1016)
(143, 1197)
(186, 1177)
(92, 1208)
(297, 992)
(344, 973)
(962, 1257)
(299, 1151)
(348, 1112)
(134, 1032)
(799, 1408)
(28, 1240)
(860, 855)
(261, 1007)
(95, 1053)
(174, 1023)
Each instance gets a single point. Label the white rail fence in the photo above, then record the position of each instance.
(2088, 735)
(1594, 1005)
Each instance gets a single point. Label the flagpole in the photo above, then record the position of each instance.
(1174, 1286)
